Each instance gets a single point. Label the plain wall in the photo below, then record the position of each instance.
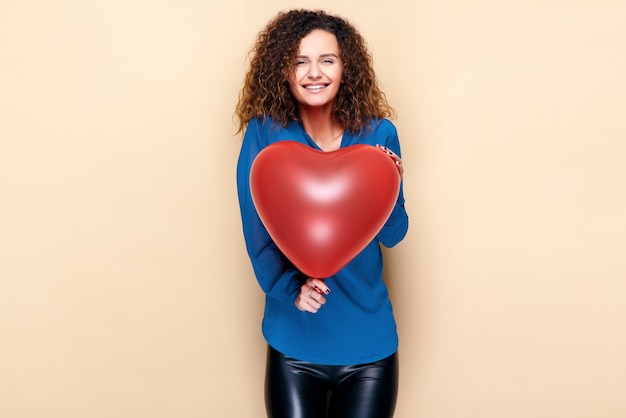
(125, 289)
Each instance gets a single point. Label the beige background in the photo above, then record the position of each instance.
(125, 290)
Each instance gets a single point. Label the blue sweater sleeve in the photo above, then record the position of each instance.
(276, 275)
(397, 224)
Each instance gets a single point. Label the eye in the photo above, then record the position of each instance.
(300, 63)
(327, 61)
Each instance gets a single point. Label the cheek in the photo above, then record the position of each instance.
(295, 77)
(299, 72)
(339, 75)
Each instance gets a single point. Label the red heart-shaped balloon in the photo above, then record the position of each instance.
(323, 208)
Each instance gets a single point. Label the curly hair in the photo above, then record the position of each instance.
(266, 92)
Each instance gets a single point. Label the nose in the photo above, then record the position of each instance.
(314, 70)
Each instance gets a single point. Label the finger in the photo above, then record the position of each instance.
(309, 305)
(396, 159)
(311, 309)
(400, 167)
(386, 150)
(322, 289)
(306, 304)
(319, 286)
(315, 297)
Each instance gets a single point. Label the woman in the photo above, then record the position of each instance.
(311, 80)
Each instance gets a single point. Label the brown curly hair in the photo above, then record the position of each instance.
(266, 92)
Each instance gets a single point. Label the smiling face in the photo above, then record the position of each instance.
(318, 70)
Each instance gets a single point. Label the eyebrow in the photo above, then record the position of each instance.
(329, 54)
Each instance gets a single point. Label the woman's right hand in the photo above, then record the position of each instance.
(311, 296)
(393, 156)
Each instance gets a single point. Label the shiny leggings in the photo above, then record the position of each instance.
(297, 389)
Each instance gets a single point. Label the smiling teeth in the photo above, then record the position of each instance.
(314, 87)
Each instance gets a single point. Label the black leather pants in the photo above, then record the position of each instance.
(297, 389)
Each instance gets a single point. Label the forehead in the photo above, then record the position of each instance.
(318, 41)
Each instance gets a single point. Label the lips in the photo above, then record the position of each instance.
(315, 87)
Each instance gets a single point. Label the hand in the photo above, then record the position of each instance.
(311, 296)
(393, 156)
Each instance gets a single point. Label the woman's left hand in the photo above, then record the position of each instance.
(393, 156)
(311, 296)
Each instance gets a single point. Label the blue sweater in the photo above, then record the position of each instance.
(356, 325)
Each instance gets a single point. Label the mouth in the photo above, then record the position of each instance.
(315, 87)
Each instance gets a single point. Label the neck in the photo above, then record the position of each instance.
(320, 126)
